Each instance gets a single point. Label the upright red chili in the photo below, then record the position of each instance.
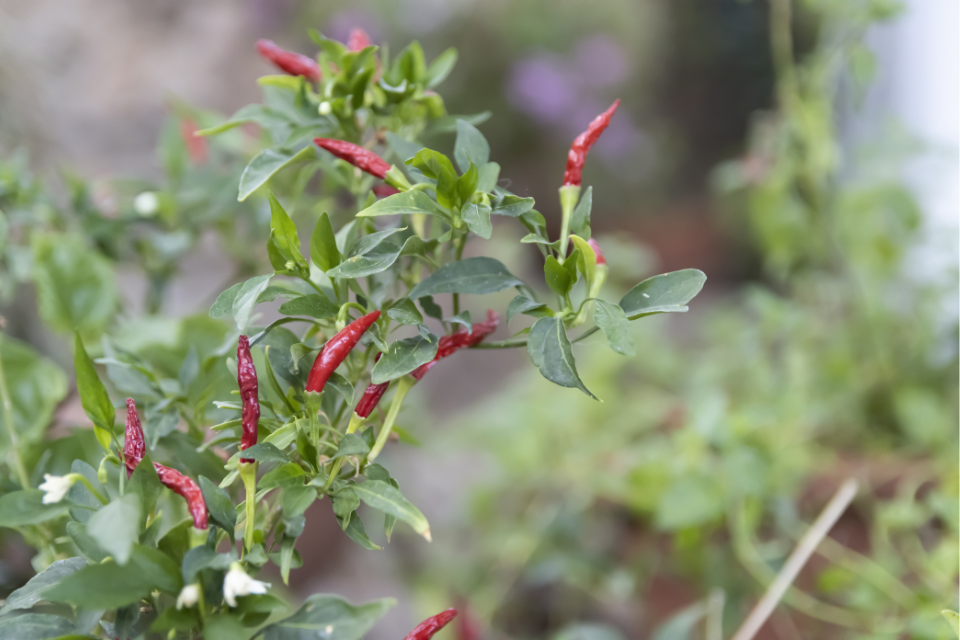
(296, 64)
(426, 629)
(196, 145)
(460, 339)
(247, 379)
(133, 451)
(336, 349)
(184, 486)
(133, 445)
(358, 40)
(582, 143)
(355, 155)
(596, 249)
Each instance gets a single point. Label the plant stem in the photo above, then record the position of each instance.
(89, 486)
(456, 297)
(403, 386)
(11, 430)
(355, 422)
(248, 473)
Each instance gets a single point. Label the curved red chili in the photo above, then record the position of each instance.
(336, 349)
(358, 40)
(247, 379)
(582, 143)
(596, 249)
(133, 445)
(296, 64)
(184, 486)
(355, 155)
(371, 396)
(384, 190)
(460, 339)
(426, 629)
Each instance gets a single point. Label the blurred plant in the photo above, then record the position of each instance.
(839, 364)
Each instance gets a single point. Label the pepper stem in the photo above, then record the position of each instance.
(569, 194)
(248, 473)
(355, 422)
(76, 477)
(403, 386)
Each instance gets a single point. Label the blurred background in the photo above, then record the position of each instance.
(804, 155)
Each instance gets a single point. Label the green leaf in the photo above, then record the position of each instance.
(405, 311)
(203, 557)
(467, 183)
(265, 164)
(329, 617)
(314, 305)
(580, 220)
(265, 452)
(369, 242)
(375, 261)
(613, 321)
(356, 532)
(551, 352)
(323, 244)
(36, 386)
(587, 259)
(32, 592)
(666, 293)
(351, 445)
(431, 163)
(145, 484)
(478, 275)
(76, 286)
(219, 504)
(93, 395)
(523, 304)
(388, 499)
(266, 117)
(461, 318)
(470, 146)
(558, 278)
(116, 586)
(489, 174)
(284, 234)
(34, 626)
(477, 217)
(953, 619)
(246, 299)
(431, 308)
(223, 307)
(512, 206)
(441, 67)
(447, 187)
(115, 527)
(341, 385)
(404, 356)
(86, 544)
(403, 203)
(284, 475)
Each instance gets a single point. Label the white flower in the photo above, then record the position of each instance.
(238, 583)
(146, 204)
(56, 487)
(325, 108)
(189, 596)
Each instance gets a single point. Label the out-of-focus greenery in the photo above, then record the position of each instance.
(707, 466)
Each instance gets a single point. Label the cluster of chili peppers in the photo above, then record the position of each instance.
(581, 146)
(296, 64)
(133, 452)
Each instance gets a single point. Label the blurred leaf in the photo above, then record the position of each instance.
(265, 164)
(371, 262)
(681, 625)
(219, 504)
(441, 67)
(580, 220)
(93, 395)
(512, 206)
(314, 305)
(470, 146)
(523, 304)
(953, 619)
(34, 626)
(388, 499)
(323, 612)
(284, 234)
(246, 299)
(557, 277)
(115, 527)
(478, 275)
(32, 592)
(223, 306)
(403, 203)
(404, 356)
(36, 386)
(351, 445)
(323, 244)
(265, 452)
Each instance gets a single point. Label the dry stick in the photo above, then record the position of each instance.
(804, 549)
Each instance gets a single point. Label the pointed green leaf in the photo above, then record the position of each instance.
(551, 352)
(666, 293)
(265, 164)
(441, 67)
(470, 146)
(314, 305)
(329, 617)
(93, 395)
(613, 321)
(115, 527)
(323, 244)
(284, 234)
(477, 217)
(384, 497)
(403, 203)
(479, 275)
(404, 356)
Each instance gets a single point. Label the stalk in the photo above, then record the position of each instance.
(355, 422)
(248, 473)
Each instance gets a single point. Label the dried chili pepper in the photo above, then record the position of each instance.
(355, 155)
(358, 40)
(296, 64)
(196, 145)
(460, 339)
(426, 629)
(582, 143)
(133, 445)
(133, 451)
(336, 349)
(247, 379)
(596, 249)
(184, 486)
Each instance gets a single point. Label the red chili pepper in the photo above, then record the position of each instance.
(371, 396)
(426, 629)
(247, 379)
(358, 40)
(596, 249)
(133, 450)
(384, 190)
(356, 155)
(184, 486)
(582, 143)
(460, 339)
(336, 349)
(468, 627)
(196, 145)
(296, 64)
(133, 445)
